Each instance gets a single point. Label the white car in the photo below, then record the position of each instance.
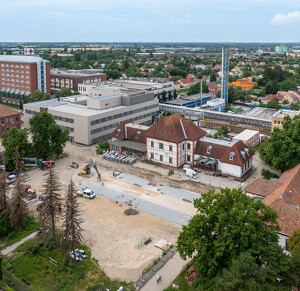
(11, 178)
(88, 193)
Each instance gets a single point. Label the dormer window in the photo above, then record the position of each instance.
(138, 134)
(246, 151)
(243, 154)
(231, 156)
(118, 131)
(209, 148)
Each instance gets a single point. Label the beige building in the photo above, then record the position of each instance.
(277, 118)
(91, 118)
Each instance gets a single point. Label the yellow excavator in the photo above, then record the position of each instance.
(86, 171)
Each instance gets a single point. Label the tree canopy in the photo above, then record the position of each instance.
(11, 140)
(282, 150)
(48, 138)
(39, 95)
(65, 92)
(226, 225)
(294, 241)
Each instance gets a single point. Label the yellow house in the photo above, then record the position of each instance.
(277, 118)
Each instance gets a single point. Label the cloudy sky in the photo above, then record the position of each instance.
(155, 20)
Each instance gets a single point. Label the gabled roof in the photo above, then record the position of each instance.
(261, 187)
(175, 129)
(285, 199)
(6, 111)
(129, 131)
(216, 152)
(240, 155)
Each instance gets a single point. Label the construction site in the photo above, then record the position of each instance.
(133, 204)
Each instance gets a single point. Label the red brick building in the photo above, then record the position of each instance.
(71, 78)
(9, 117)
(20, 76)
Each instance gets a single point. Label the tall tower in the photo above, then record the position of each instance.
(225, 69)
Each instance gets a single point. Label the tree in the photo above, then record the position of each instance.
(39, 95)
(72, 231)
(175, 94)
(170, 97)
(11, 140)
(48, 138)
(18, 208)
(3, 189)
(21, 105)
(294, 241)
(164, 96)
(282, 150)
(50, 208)
(64, 92)
(226, 225)
(103, 145)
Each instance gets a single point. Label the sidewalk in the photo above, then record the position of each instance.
(168, 273)
(15, 245)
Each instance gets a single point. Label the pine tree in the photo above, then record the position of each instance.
(50, 208)
(3, 188)
(18, 206)
(72, 230)
(170, 95)
(174, 94)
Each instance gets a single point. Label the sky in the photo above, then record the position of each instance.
(150, 21)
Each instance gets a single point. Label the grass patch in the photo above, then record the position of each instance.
(13, 106)
(15, 236)
(3, 284)
(36, 268)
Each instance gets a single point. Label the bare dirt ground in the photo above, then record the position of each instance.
(112, 236)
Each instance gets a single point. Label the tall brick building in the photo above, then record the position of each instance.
(9, 117)
(71, 78)
(21, 76)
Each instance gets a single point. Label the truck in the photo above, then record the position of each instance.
(86, 193)
(191, 173)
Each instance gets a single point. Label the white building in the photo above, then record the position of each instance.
(249, 137)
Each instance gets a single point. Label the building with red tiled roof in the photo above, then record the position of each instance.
(284, 197)
(9, 118)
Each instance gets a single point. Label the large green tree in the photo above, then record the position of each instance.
(226, 225)
(11, 140)
(64, 92)
(282, 150)
(48, 138)
(294, 241)
(39, 95)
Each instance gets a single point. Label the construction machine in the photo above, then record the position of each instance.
(86, 171)
(44, 165)
(74, 165)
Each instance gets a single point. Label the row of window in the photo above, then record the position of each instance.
(114, 125)
(17, 75)
(161, 158)
(97, 121)
(15, 85)
(7, 129)
(14, 66)
(161, 146)
(13, 80)
(71, 129)
(64, 119)
(31, 112)
(11, 119)
(14, 71)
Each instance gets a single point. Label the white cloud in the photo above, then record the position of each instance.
(286, 18)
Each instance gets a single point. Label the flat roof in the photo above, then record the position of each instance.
(74, 73)
(137, 126)
(21, 59)
(282, 113)
(246, 134)
(261, 113)
(218, 141)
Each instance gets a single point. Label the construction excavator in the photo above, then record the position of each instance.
(86, 171)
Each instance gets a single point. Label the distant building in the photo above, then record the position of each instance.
(245, 83)
(217, 104)
(277, 118)
(61, 78)
(21, 76)
(192, 100)
(9, 118)
(281, 48)
(91, 118)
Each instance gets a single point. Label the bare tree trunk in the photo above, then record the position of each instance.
(3, 188)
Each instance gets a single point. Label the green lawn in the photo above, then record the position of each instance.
(43, 275)
(15, 236)
(13, 106)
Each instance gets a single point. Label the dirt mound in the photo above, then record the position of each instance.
(131, 211)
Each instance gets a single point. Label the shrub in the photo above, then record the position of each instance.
(5, 226)
(171, 172)
(102, 145)
(268, 174)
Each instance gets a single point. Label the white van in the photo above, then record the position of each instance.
(191, 173)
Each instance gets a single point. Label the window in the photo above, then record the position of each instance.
(2, 122)
(231, 156)
(138, 134)
(188, 146)
(170, 149)
(161, 146)
(118, 131)
(152, 143)
(209, 149)
(117, 149)
(152, 156)
(286, 245)
(170, 160)
(12, 120)
(183, 146)
(113, 147)
(188, 158)
(161, 158)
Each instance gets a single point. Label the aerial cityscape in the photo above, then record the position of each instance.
(150, 147)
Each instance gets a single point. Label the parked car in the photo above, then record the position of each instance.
(11, 178)
(86, 193)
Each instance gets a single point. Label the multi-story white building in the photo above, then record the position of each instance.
(91, 118)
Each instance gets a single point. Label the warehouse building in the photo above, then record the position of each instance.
(91, 118)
